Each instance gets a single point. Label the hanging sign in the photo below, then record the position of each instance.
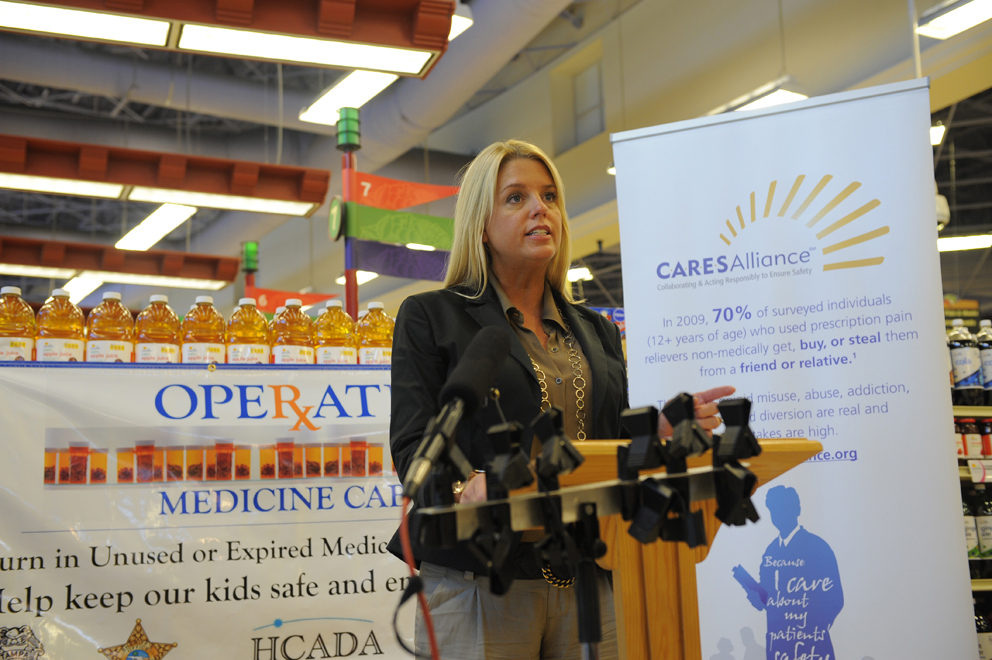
(795, 258)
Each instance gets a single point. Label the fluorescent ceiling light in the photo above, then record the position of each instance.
(461, 21)
(778, 97)
(80, 287)
(352, 91)
(576, 274)
(155, 227)
(84, 24)
(265, 45)
(937, 134)
(612, 170)
(154, 280)
(950, 18)
(954, 243)
(420, 246)
(47, 184)
(36, 271)
(362, 276)
(215, 201)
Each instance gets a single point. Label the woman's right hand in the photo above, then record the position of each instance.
(474, 491)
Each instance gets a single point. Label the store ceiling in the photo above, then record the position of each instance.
(963, 171)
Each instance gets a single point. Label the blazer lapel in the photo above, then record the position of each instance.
(595, 355)
(487, 311)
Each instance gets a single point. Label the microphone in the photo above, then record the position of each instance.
(475, 372)
(464, 393)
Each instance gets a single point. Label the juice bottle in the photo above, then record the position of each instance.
(984, 340)
(203, 333)
(156, 332)
(17, 327)
(292, 336)
(334, 336)
(110, 331)
(272, 321)
(966, 362)
(375, 336)
(61, 330)
(247, 335)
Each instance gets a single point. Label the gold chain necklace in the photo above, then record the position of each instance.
(578, 382)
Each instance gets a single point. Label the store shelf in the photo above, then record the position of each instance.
(973, 411)
(981, 585)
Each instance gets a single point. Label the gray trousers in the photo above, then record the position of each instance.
(533, 621)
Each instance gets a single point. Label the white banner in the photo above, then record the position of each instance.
(227, 513)
(791, 252)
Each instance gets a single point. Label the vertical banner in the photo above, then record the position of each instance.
(198, 512)
(791, 252)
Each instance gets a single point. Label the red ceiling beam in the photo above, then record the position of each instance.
(420, 24)
(89, 256)
(131, 167)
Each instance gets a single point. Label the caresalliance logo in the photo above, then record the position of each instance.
(138, 647)
(824, 231)
(833, 224)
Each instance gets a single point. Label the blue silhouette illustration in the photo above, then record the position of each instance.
(752, 649)
(726, 648)
(798, 588)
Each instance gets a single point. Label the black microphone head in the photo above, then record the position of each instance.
(475, 372)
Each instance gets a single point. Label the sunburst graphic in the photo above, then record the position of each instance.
(137, 647)
(825, 211)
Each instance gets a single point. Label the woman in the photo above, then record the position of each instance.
(507, 269)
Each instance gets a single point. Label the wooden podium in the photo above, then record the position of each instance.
(655, 585)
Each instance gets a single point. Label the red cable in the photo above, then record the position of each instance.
(408, 556)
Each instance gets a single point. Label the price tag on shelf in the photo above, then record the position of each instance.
(981, 470)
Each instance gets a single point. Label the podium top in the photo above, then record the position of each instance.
(777, 457)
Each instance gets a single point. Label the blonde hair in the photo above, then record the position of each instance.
(468, 264)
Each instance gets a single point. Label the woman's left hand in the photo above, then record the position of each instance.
(706, 411)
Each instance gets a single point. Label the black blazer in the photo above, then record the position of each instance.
(433, 330)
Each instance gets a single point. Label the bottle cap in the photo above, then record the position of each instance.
(16, 290)
(333, 303)
(984, 323)
(362, 313)
(294, 302)
(956, 322)
(159, 298)
(111, 295)
(60, 293)
(279, 310)
(246, 301)
(376, 305)
(204, 299)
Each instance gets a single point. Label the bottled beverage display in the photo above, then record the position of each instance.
(334, 336)
(203, 334)
(292, 335)
(61, 333)
(156, 332)
(375, 336)
(17, 327)
(984, 631)
(247, 335)
(110, 331)
(984, 340)
(967, 366)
